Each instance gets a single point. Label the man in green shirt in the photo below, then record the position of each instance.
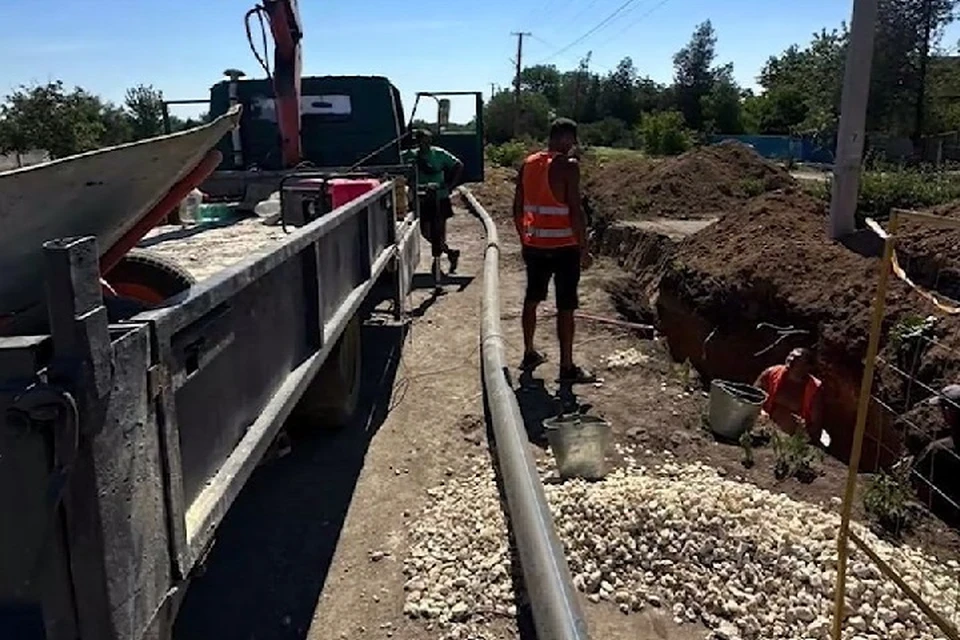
(438, 171)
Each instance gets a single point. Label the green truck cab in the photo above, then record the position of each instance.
(353, 123)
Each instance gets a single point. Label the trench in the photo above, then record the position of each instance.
(732, 348)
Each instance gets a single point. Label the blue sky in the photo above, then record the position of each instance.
(182, 46)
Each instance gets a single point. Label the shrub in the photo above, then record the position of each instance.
(664, 133)
(887, 499)
(609, 132)
(902, 188)
(509, 154)
(884, 188)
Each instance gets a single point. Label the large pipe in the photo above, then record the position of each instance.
(556, 611)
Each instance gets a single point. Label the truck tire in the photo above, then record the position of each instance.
(332, 397)
(149, 278)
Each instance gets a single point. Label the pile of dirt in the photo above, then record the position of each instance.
(768, 263)
(705, 182)
(496, 190)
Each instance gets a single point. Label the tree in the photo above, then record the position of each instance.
(814, 75)
(544, 79)
(721, 106)
(535, 115)
(619, 95)
(145, 107)
(694, 74)
(47, 117)
(117, 128)
(907, 30)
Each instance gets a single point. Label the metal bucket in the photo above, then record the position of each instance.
(734, 407)
(580, 445)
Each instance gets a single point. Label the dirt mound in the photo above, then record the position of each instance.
(702, 183)
(495, 193)
(769, 262)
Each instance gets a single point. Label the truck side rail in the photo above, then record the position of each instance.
(234, 354)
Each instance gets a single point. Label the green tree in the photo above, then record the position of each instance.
(544, 79)
(721, 107)
(619, 97)
(145, 106)
(48, 117)
(815, 75)
(664, 133)
(694, 74)
(535, 115)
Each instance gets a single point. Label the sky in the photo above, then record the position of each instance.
(182, 46)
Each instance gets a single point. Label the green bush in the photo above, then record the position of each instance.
(902, 188)
(609, 132)
(509, 154)
(664, 133)
(883, 188)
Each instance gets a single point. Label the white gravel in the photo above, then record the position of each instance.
(204, 250)
(737, 560)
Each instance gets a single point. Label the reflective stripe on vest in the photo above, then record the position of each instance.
(546, 220)
(535, 232)
(547, 211)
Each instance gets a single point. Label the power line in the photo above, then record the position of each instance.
(623, 6)
(640, 19)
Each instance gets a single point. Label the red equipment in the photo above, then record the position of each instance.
(287, 31)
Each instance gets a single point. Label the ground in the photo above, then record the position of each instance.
(314, 546)
(306, 529)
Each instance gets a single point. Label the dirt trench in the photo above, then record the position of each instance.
(711, 289)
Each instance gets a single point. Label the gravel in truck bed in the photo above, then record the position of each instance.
(205, 249)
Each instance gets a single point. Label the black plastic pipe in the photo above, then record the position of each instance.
(553, 600)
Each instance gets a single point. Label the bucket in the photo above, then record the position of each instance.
(734, 407)
(579, 444)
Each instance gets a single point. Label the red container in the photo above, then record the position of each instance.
(343, 190)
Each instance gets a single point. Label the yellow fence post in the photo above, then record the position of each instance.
(863, 405)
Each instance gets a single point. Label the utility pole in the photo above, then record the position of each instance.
(924, 59)
(493, 89)
(516, 80)
(853, 116)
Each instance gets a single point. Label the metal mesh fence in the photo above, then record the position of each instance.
(900, 576)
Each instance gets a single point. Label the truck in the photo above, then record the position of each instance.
(136, 401)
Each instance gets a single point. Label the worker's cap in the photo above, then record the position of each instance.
(421, 135)
(949, 396)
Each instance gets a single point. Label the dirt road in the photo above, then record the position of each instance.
(314, 546)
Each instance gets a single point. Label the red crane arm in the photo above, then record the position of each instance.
(287, 31)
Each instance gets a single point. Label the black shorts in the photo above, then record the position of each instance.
(431, 207)
(563, 265)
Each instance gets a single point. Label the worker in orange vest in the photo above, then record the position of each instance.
(793, 394)
(552, 227)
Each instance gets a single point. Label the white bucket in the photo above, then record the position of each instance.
(579, 444)
(734, 408)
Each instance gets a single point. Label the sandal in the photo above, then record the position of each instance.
(532, 360)
(576, 375)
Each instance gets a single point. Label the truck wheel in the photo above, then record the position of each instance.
(147, 277)
(332, 397)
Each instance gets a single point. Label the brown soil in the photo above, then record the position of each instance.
(769, 262)
(702, 183)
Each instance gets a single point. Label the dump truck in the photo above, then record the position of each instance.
(136, 401)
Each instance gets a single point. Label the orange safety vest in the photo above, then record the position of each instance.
(546, 220)
(809, 392)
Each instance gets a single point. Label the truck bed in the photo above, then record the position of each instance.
(206, 249)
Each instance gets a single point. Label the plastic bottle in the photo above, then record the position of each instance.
(270, 207)
(190, 205)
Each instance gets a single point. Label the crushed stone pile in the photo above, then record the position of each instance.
(740, 561)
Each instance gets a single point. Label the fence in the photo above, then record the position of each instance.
(897, 581)
(797, 148)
